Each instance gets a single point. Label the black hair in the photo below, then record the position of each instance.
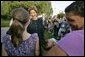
(76, 8)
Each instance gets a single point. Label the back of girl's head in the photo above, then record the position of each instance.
(20, 18)
(20, 14)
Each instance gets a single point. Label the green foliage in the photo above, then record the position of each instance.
(5, 23)
(60, 15)
(8, 6)
(5, 10)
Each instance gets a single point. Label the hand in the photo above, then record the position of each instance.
(50, 43)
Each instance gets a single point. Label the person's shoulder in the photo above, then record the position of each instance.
(74, 39)
(77, 32)
(5, 38)
(34, 35)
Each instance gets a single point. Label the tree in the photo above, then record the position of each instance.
(8, 6)
(60, 15)
(5, 9)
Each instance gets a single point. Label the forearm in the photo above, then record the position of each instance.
(37, 52)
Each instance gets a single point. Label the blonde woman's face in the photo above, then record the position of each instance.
(33, 14)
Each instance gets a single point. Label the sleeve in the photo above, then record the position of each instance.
(9, 46)
(72, 44)
(35, 36)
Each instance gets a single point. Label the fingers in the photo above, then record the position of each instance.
(50, 43)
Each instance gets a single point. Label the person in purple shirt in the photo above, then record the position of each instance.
(20, 42)
(72, 44)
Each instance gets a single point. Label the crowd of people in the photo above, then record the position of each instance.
(25, 36)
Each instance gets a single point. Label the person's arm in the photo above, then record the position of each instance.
(4, 53)
(37, 47)
(72, 44)
(50, 43)
(55, 51)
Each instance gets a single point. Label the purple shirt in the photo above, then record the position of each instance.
(73, 43)
(26, 48)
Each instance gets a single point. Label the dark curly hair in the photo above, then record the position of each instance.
(76, 8)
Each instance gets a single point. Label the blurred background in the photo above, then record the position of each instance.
(47, 8)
